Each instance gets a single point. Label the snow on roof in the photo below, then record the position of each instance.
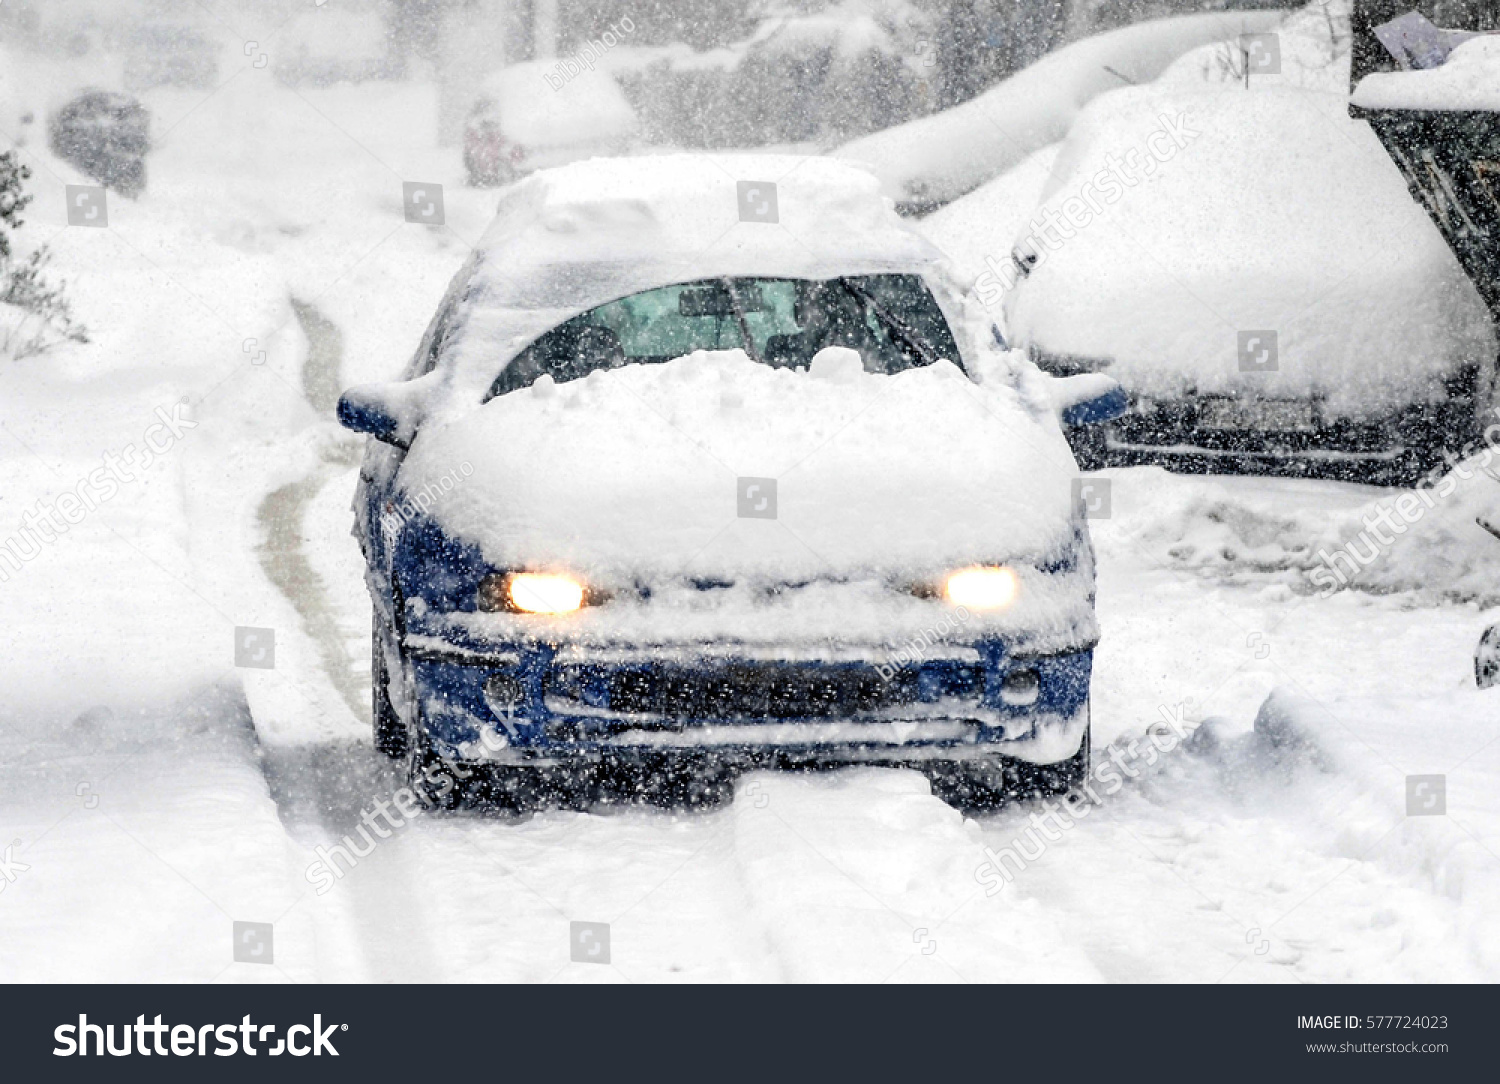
(568, 239)
(539, 103)
(1469, 79)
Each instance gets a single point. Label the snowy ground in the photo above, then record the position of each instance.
(152, 793)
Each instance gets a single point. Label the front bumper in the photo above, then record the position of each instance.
(541, 703)
(1398, 449)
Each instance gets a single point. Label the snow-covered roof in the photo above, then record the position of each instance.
(539, 103)
(568, 239)
(1279, 213)
(1469, 79)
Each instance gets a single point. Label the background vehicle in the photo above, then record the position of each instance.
(1428, 94)
(535, 116)
(586, 598)
(106, 135)
(1243, 259)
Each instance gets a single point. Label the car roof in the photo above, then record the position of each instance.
(567, 240)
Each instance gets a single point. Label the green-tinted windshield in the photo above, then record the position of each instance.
(891, 320)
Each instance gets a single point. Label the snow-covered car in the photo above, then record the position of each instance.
(1250, 266)
(694, 471)
(106, 135)
(536, 116)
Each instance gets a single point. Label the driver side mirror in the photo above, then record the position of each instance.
(373, 409)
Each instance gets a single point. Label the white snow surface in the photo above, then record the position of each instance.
(1468, 79)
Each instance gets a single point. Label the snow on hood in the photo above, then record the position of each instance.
(566, 240)
(1469, 79)
(636, 471)
(1280, 213)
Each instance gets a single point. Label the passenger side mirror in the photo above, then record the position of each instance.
(373, 409)
(1088, 398)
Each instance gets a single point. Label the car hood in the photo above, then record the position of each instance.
(713, 465)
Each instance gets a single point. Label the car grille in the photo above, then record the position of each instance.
(756, 690)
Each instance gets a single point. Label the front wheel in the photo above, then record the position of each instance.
(981, 785)
(390, 731)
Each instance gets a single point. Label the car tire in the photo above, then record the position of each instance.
(982, 785)
(390, 732)
(439, 784)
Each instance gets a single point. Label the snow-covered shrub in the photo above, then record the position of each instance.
(34, 315)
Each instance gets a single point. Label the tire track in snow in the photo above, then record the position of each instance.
(862, 875)
(322, 790)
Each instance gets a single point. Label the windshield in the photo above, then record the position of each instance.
(891, 320)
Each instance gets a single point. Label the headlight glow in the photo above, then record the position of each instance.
(982, 588)
(531, 592)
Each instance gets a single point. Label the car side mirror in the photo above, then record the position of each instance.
(1088, 398)
(373, 409)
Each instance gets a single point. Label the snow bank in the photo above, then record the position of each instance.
(938, 158)
(1469, 79)
(635, 468)
(1427, 827)
(1425, 543)
(1277, 212)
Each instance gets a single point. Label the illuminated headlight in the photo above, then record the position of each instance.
(982, 588)
(531, 592)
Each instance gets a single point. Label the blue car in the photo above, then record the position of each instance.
(706, 465)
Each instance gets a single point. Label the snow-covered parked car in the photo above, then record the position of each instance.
(106, 135)
(679, 484)
(536, 116)
(1249, 265)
